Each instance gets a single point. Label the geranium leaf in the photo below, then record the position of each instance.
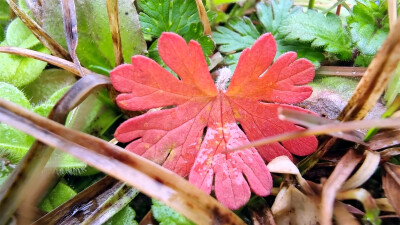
(369, 27)
(173, 137)
(165, 15)
(322, 31)
(242, 35)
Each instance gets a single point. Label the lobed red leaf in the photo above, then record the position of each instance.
(174, 137)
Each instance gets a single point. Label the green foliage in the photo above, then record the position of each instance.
(13, 143)
(242, 34)
(165, 15)
(60, 194)
(167, 216)
(322, 31)
(95, 44)
(125, 216)
(49, 82)
(178, 16)
(393, 88)
(369, 27)
(18, 70)
(273, 13)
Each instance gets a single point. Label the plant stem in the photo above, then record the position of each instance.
(311, 4)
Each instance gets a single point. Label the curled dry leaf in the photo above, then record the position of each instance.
(291, 206)
(173, 137)
(391, 185)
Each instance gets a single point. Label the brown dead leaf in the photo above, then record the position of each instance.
(391, 185)
(293, 207)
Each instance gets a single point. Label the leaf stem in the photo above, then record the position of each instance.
(311, 4)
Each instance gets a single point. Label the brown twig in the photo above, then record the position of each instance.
(55, 48)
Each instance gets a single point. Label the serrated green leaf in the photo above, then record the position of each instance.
(242, 35)
(195, 32)
(60, 194)
(95, 44)
(165, 15)
(369, 26)
(167, 216)
(273, 13)
(322, 31)
(125, 216)
(13, 143)
(49, 82)
(363, 60)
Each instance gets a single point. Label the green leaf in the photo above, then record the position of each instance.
(196, 33)
(393, 88)
(18, 70)
(60, 194)
(13, 143)
(369, 26)
(95, 44)
(322, 31)
(363, 60)
(125, 216)
(273, 13)
(4, 10)
(241, 35)
(19, 35)
(49, 82)
(167, 15)
(167, 216)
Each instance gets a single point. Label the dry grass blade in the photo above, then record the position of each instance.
(143, 174)
(341, 71)
(324, 129)
(375, 79)
(391, 185)
(71, 30)
(366, 170)
(203, 17)
(309, 120)
(20, 183)
(95, 194)
(55, 48)
(56, 61)
(112, 10)
(113, 205)
(339, 175)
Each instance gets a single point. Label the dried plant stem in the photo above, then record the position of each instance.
(203, 17)
(56, 61)
(339, 175)
(112, 10)
(392, 12)
(341, 71)
(55, 48)
(323, 129)
(375, 78)
(71, 30)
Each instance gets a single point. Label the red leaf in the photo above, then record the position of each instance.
(174, 137)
